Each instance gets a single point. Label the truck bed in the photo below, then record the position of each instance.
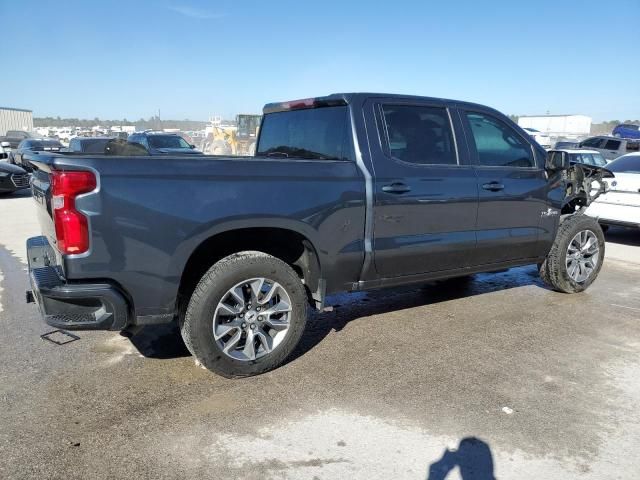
(148, 214)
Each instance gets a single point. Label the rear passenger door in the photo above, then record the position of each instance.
(512, 189)
(425, 192)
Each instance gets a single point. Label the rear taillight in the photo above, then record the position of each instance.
(72, 229)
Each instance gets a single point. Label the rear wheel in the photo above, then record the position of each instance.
(246, 316)
(576, 256)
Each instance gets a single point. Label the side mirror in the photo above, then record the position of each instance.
(5, 145)
(192, 146)
(556, 161)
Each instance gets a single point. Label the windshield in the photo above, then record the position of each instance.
(625, 164)
(167, 141)
(46, 144)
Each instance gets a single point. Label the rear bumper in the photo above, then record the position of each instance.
(73, 306)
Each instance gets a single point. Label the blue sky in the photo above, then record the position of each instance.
(192, 59)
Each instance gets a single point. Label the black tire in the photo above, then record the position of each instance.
(197, 327)
(553, 270)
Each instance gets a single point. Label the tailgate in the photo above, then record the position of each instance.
(41, 190)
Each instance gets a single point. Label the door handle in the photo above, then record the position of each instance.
(396, 188)
(493, 186)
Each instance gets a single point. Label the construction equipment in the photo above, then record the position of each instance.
(233, 140)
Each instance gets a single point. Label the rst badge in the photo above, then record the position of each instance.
(550, 212)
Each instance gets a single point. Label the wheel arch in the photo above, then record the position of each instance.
(289, 245)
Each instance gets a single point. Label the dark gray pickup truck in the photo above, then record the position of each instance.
(346, 192)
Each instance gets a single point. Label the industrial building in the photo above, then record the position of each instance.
(567, 126)
(15, 119)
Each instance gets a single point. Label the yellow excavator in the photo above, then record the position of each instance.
(239, 140)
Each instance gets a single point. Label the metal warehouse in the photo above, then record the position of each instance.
(15, 119)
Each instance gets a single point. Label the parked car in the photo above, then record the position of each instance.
(583, 156)
(33, 145)
(542, 138)
(346, 192)
(14, 137)
(160, 143)
(12, 178)
(621, 204)
(627, 130)
(611, 147)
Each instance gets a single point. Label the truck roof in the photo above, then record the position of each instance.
(336, 99)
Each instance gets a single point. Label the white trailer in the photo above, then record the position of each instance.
(566, 126)
(15, 119)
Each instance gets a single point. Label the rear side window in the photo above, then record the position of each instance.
(497, 144)
(312, 134)
(612, 145)
(419, 134)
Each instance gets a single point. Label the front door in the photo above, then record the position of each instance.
(512, 189)
(425, 192)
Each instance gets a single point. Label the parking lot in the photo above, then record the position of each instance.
(514, 379)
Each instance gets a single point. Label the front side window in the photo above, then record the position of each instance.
(310, 134)
(497, 144)
(419, 134)
(592, 142)
(612, 145)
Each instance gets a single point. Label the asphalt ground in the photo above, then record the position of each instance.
(499, 376)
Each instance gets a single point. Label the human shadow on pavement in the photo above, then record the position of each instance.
(473, 458)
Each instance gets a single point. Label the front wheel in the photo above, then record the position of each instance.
(576, 256)
(246, 316)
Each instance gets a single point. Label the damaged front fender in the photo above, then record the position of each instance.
(583, 184)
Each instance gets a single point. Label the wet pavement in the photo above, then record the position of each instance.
(495, 376)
